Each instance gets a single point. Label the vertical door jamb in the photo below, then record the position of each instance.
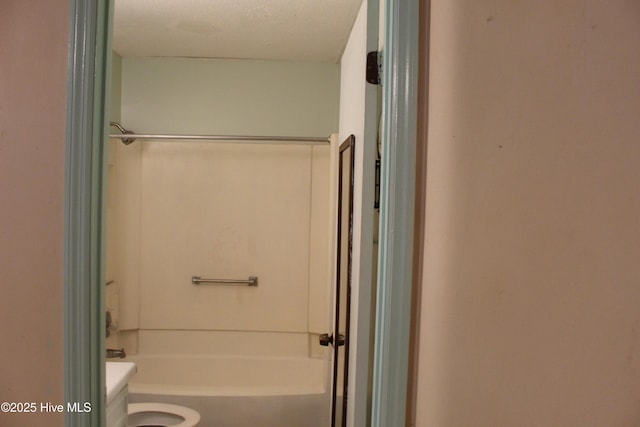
(397, 194)
(87, 97)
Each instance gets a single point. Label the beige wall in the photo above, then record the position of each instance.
(530, 313)
(123, 236)
(115, 93)
(117, 240)
(33, 72)
(225, 211)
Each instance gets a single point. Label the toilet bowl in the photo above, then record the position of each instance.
(161, 415)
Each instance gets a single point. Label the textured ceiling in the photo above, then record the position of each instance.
(294, 30)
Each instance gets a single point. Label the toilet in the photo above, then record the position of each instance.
(161, 415)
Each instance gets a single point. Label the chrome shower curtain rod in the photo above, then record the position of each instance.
(128, 137)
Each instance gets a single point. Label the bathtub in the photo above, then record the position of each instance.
(236, 391)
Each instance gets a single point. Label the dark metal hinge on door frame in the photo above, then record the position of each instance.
(374, 68)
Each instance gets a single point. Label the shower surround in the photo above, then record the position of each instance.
(223, 210)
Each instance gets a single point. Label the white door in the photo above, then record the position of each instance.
(359, 117)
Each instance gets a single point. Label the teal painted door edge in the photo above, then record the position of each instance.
(89, 56)
(397, 198)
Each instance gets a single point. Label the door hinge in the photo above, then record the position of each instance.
(374, 68)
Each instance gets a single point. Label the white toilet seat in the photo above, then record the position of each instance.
(191, 417)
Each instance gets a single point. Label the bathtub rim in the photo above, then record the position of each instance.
(162, 388)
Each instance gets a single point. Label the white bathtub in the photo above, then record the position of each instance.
(236, 391)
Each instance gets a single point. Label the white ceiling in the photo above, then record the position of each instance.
(294, 30)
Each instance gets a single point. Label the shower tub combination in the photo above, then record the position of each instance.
(236, 391)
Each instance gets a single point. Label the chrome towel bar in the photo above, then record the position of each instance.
(251, 281)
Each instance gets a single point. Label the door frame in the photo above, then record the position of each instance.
(87, 100)
(397, 213)
(84, 316)
(348, 143)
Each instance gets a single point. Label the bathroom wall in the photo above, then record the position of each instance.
(227, 210)
(530, 302)
(187, 95)
(115, 92)
(122, 294)
(34, 40)
(114, 209)
(123, 221)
